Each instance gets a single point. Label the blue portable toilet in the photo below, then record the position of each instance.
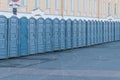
(104, 31)
(23, 36)
(102, 24)
(88, 33)
(40, 30)
(3, 37)
(13, 37)
(92, 32)
(32, 41)
(48, 35)
(68, 34)
(56, 34)
(100, 31)
(107, 31)
(84, 34)
(110, 31)
(74, 33)
(113, 31)
(80, 34)
(119, 30)
(95, 32)
(116, 30)
(62, 34)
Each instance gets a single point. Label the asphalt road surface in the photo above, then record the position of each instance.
(101, 62)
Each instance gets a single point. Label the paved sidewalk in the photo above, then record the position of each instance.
(100, 62)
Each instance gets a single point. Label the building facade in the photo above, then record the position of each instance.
(77, 8)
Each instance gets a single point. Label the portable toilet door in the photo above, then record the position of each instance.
(119, 30)
(80, 39)
(116, 30)
(110, 31)
(62, 34)
(84, 28)
(74, 34)
(3, 37)
(13, 37)
(96, 32)
(97, 36)
(88, 33)
(101, 31)
(68, 34)
(32, 41)
(48, 35)
(56, 34)
(23, 36)
(113, 31)
(92, 32)
(107, 31)
(40, 35)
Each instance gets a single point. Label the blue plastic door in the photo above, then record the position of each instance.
(80, 33)
(96, 32)
(113, 31)
(40, 35)
(68, 34)
(107, 31)
(88, 33)
(97, 35)
(62, 33)
(32, 48)
(74, 34)
(13, 37)
(117, 30)
(99, 30)
(3, 37)
(48, 35)
(56, 34)
(84, 34)
(23, 36)
(92, 32)
(110, 31)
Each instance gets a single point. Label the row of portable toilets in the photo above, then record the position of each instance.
(21, 37)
